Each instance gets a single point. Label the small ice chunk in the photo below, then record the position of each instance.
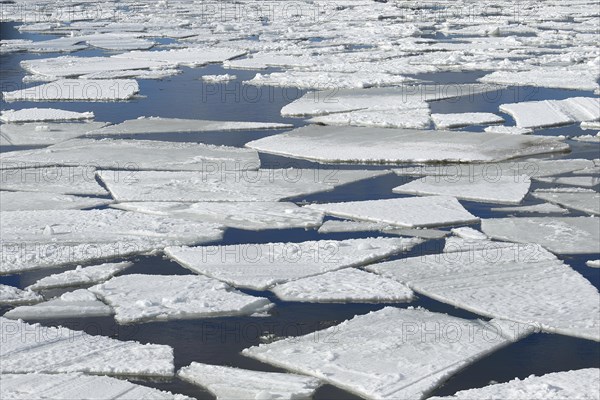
(218, 78)
(588, 201)
(543, 208)
(593, 125)
(25, 201)
(546, 113)
(60, 180)
(80, 276)
(77, 90)
(42, 114)
(469, 233)
(12, 295)
(36, 134)
(575, 79)
(508, 130)
(593, 263)
(416, 118)
(587, 138)
(190, 57)
(445, 121)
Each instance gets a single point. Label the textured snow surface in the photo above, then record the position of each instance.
(13, 295)
(260, 266)
(332, 226)
(444, 121)
(191, 57)
(584, 181)
(24, 201)
(588, 202)
(77, 90)
(35, 348)
(44, 134)
(386, 354)
(327, 80)
(80, 276)
(228, 383)
(416, 118)
(539, 114)
(59, 180)
(543, 208)
(552, 78)
(42, 114)
(509, 130)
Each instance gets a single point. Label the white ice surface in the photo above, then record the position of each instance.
(218, 78)
(416, 118)
(259, 266)
(392, 353)
(546, 113)
(44, 134)
(588, 202)
(27, 201)
(469, 233)
(546, 77)
(77, 90)
(80, 276)
(320, 80)
(582, 181)
(191, 57)
(587, 138)
(509, 130)
(13, 295)
(42, 114)
(60, 180)
(350, 226)
(543, 208)
(444, 121)
(593, 263)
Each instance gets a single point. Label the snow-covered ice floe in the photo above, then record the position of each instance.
(332, 226)
(561, 235)
(139, 298)
(30, 348)
(247, 215)
(546, 113)
(25, 201)
(543, 208)
(228, 383)
(588, 202)
(552, 78)
(12, 295)
(77, 90)
(320, 80)
(408, 212)
(44, 134)
(415, 118)
(60, 180)
(508, 130)
(42, 114)
(445, 121)
(391, 353)
(229, 185)
(328, 144)
(218, 78)
(582, 181)
(260, 266)
(582, 384)
(190, 57)
(80, 276)
(522, 283)
(593, 263)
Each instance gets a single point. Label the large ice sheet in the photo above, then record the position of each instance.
(588, 202)
(540, 114)
(329, 144)
(80, 276)
(546, 77)
(139, 298)
(582, 384)
(561, 235)
(333, 226)
(523, 283)
(406, 212)
(25, 201)
(229, 185)
(77, 90)
(416, 118)
(42, 114)
(13, 295)
(260, 266)
(392, 353)
(36, 386)
(134, 155)
(320, 80)
(445, 121)
(44, 134)
(60, 180)
(240, 215)
(228, 383)
(191, 57)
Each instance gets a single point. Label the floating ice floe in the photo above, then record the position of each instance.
(229, 185)
(544, 77)
(416, 118)
(80, 276)
(30, 348)
(349, 285)
(69, 66)
(445, 121)
(495, 189)
(327, 80)
(392, 353)
(218, 78)
(26, 201)
(39, 239)
(580, 384)
(350, 226)
(228, 383)
(60, 180)
(124, 74)
(77, 90)
(420, 233)
(461, 244)
(522, 283)
(44, 134)
(543, 208)
(328, 144)
(139, 298)
(561, 235)
(404, 212)
(469, 233)
(509, 130)
(546, 113)
(593, 263)
(77, 304)
(42, 114)
(240, 215)
(260, 266)
(130, 156)
(594, 125)
(35, 386)
(12, 295)
(190, 57)
(587, 138)
(588, 202)
(582, 181)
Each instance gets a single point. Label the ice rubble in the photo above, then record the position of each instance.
(328, 144)
(587, 138)
(546, 77)
(30, 348)
(546, 113)
(543, 208)
(445, 121)
(130, 156)
(241, 215)
(12, 295)
(522, 283)
(229, 185)
(582, 181)
(259, 266)
(404, 212)
(469, 233)
(218, 78)
(594, 125)
(77, 304)
(392, 353)
(561, 235)
(248, 384)
(348, 285)
(60, 180)
(582, 384)
(321, 80)
(140, 298)
(588, 202)
(80, 276)
(42, 114)
(44, 134)
(36, 386)
(39, 239)
(77, 90)
(26, 201)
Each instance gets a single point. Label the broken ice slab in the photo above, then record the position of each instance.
(469, 233)
(218, 78)
(458, 120)
(44, 134)
(333, 226)
(42, 114)
(328, 144)
(77, 90)
(320, 80)
(36, 386)
(349, 285)
(28, 201)
(500, 189)
(410, 212)
(561, 235)
(260, 266)
(142, 298)
(13, 296)
(248, 384)
(508, 130)
(35, 348)
(522, 283)
(416, 118)
(547, 113)
(42, 239)
(60, 180)
(391, 353)
(240, 215)
(78, 304)
(543, 208)
(587, 138)
(593, 263)
(588, 202)
(593, 125)
(546, 77)
(130, 156)
(80, 276)
(418, 232)
(582, 181)
(189, 57)
(582, 384)
(229, 185)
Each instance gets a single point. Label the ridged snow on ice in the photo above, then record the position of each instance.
(42, 114)
(59, 180)
(12, 295)
(80, 276)
(445, 121)
(45, 134)
(546, 113)
(77, 90)
(25, 201)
